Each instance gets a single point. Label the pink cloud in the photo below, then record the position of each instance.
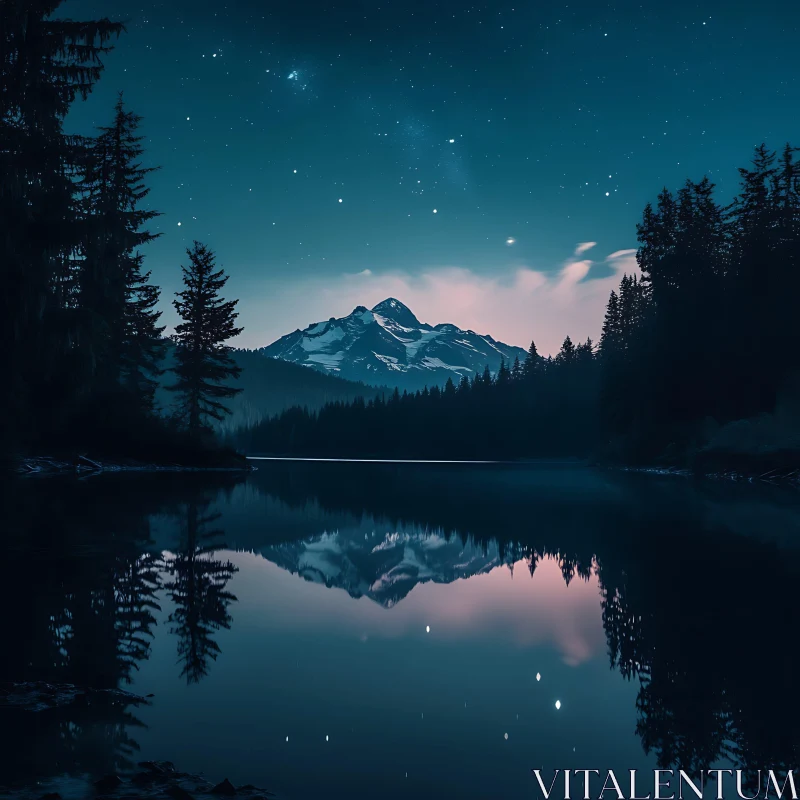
(514, 305)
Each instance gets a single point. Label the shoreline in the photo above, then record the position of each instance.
(791, 481)
(84, 466)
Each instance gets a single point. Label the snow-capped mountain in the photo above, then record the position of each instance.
(387, 345)
(382, 566)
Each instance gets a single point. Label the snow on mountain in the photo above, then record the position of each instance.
(387, 345)
(382, 566)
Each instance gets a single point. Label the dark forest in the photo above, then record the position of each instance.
(82, 344)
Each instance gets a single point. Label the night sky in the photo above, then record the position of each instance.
(479, 162)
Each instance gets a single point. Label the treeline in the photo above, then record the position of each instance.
(705, 334)
(80, 339)
(502, 416)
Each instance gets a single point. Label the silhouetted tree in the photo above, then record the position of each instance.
(45, 64)
(532, 363)
(117, 301)
(204, 360)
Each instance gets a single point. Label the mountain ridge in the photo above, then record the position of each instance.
(388, 345)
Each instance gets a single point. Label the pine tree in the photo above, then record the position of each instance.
(44, 65)
(532, 364)
(610, 340)
(567, 352)
(516, 370)
(503, 374)
(121, 332)
(204, 360)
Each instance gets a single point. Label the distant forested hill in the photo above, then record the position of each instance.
(270, 386)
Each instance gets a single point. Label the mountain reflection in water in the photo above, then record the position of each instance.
(386, 623)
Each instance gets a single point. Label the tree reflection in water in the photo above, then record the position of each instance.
(698, 613)
(197, 586)
(79, 586)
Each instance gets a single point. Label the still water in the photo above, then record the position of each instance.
(396, 630)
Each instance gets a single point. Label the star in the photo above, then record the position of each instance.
(435, 211)
(511, 240)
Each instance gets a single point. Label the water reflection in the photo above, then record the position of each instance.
(370, 600)
(196, 584)
(80, 579)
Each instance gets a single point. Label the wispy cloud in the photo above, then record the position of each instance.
(514, 306)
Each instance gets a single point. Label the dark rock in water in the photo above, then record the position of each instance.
(226, 788)
(159, 767)
(178, 793)
(41, 696)
(108, 784)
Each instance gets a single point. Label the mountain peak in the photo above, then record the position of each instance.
(397, 311)
(388, 346)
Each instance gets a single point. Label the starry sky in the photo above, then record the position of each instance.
(485, 164)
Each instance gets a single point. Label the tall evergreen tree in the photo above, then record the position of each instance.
(45, 64)
(567, 353)
(532, 364)
(118, 303)
(610, 340)
(204, 360)
(503, 374)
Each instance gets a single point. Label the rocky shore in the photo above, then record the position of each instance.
(83, 465)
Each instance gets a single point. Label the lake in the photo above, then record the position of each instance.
(401, 630)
